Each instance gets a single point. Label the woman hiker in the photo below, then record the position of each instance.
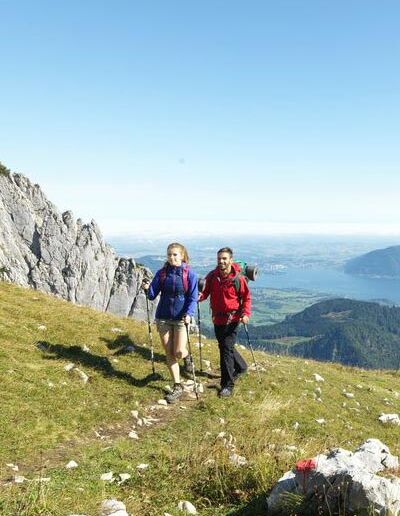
(177, 284)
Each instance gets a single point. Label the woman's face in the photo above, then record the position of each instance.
(174, 256)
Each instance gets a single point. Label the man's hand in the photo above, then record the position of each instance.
(187, 319)
(245, 319)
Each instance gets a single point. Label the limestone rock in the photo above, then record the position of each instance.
(328, 477)
(113, 507)
(52, 252)
(187, 507)
(392, 419)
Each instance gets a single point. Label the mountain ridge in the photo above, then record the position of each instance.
(357, 333)
(380, 263)
(52, 252)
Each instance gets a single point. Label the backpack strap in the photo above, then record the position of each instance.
(185, 278)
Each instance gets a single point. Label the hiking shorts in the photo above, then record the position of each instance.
(165, 325)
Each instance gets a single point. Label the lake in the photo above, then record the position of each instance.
(333, 282)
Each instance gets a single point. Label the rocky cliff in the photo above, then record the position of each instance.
(51, 251)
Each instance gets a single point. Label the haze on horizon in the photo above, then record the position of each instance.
(263, 117)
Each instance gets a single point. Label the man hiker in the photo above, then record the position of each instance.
(230, 303)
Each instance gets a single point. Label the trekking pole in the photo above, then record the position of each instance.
(191, 361)
(150, 332)
(200, 344)
(252, 352)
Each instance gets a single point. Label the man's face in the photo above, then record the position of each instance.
(224, 261)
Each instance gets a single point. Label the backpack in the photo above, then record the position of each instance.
(249, 272)
(185, 274)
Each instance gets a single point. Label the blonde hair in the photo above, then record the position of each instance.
(182, 249)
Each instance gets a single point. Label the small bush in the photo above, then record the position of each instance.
(4, 171)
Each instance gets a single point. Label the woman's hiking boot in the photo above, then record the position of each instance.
(175, 394)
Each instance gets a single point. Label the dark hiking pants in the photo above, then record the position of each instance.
(232, 362)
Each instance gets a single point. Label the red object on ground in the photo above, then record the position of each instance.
(305, 465)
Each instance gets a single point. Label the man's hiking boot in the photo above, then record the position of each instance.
(225, 392)
(239, 374)
(175, 394)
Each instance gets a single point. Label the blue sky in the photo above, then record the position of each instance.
(211, 115)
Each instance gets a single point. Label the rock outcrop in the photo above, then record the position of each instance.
(50, 251)
(342, 481)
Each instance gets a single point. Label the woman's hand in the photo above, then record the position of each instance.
(245, 319)
(186, 319)
(145, 284)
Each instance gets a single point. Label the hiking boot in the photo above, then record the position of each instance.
(225, 392)
(175, 394)
(238, 374)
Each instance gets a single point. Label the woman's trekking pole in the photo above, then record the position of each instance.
(200, 344)
(252, 351)
(191, 361)
(150, 332)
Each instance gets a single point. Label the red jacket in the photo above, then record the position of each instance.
(224, 300)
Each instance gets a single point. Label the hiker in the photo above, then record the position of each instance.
(230, 303)
(179, 292)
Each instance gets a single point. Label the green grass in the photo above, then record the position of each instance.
(50, 417)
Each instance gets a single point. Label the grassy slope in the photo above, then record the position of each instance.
(49, 417)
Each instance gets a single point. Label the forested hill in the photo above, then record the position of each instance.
(381, 263)
(342, 330)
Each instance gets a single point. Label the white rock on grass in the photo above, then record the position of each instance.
(296, 425)
(318, 378)
(112, 507)
(392, 419)
(133, 435)
(135, 414)
(321, 421)
(238, 460)
(365, 491)
(19, 479)
(116, 330)
(187, 507)
(83, 376)
(41, 327)
(123, 477)
(14, 467)
(349, 395)
(162, 402)
(107, 477)
(71, 464)
(69, 366)
(142, 467)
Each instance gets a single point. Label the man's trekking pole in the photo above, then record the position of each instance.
(200, 344)
(252, 352)
(191, 361)
(150, 332)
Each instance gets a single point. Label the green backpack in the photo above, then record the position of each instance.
(248, 271)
